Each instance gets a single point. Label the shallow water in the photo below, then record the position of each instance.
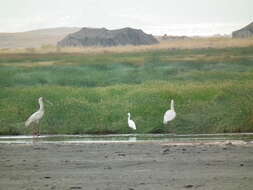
(166, 138)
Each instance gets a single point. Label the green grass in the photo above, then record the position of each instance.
(212, 89)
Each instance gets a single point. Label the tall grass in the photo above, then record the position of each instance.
(130, 68)
(201, 108)
(212, 89)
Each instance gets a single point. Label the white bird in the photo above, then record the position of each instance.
(36, 117)
(169, 114)
(131, 123)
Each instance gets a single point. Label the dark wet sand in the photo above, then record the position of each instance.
(127, 166)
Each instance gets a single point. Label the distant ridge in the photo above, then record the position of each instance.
(105, 37)
(35, 38)
(245, 32)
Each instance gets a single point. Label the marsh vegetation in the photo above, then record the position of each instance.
(93, 92)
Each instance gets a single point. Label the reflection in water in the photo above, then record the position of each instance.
(132, 139)
(167, 138)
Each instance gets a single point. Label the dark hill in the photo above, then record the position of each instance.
(104, 37)
(245, 32)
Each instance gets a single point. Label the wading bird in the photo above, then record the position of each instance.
(131, 123)
(35, 118)
(169, 114)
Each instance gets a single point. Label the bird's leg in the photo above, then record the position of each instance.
(38, 130)
(170, 129)
(33, 133)
(33, 130)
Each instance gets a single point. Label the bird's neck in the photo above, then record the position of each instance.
(128, 117)
(172, 106)
(41, 106)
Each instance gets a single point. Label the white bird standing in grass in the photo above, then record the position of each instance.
(36, 117)
(131, 123)
(169, 114)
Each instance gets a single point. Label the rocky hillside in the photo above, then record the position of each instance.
(35, 38)
(104, 37)
(245, 32)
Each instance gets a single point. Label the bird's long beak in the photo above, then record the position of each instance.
(50, 103)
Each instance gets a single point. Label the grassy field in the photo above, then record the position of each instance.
(92, 93)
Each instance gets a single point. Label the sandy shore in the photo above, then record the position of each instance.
(126, 166)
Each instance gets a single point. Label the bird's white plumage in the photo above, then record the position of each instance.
(34, 118)
(169, 114)
(131, 123)
(37, 116)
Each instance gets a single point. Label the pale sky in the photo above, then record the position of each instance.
(174, 17)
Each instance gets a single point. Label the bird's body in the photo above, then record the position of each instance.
(37, 116)
(169, 114)
(34, 118)
(131, 123)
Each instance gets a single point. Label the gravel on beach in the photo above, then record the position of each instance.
(126, 166)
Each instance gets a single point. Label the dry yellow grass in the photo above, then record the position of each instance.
(32, 64)
(194, 43)
(204, 57)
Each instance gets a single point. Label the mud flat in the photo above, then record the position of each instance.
(126, 166)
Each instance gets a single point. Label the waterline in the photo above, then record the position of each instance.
(236, 138)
